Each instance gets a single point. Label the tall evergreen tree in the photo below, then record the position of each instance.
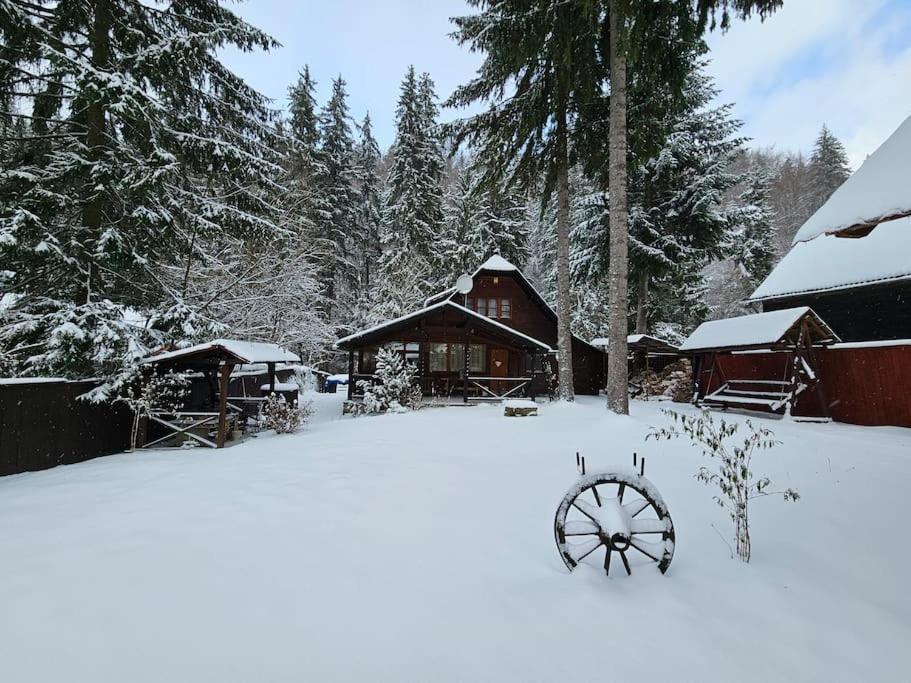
(753, 233)
(413, 208)
(828, 167)
(369, 203)
(543, 54)
(336, 183)
(142, 146)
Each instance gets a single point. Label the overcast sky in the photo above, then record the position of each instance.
(843, 62)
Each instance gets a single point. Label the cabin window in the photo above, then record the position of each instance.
(410, 351)
(438, 356)
(456, 357)
(505, 308)
(477, 358)
(481, 306)
(492, 308)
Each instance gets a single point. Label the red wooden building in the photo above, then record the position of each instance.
(497, 340)
(851, 265)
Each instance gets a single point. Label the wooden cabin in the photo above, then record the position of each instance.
(498, 340)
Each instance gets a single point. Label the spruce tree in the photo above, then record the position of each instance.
(413, 207)
(543, 54)
(336, 217)
(828, 167)
(142, 146)
(369, 203)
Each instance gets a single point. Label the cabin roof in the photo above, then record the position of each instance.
(363, 337)
(877, 192)
(234, 350)
(830, 262)
(758, 331)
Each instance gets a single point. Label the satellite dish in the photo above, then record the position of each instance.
(464, 283)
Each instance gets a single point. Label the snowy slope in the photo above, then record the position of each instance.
(370, 549)
(830, 262)
(878, 190)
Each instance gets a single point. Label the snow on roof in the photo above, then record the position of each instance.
(760, 329)
(496, 262)
(830, 262)
(631, 339)
(441, 304)
(878, 191)
(246, 352)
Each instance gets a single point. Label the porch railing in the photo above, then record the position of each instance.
(498, 388)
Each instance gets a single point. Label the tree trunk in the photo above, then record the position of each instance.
(618, 302)
(642, 303)
(93, 210)
(564, 300)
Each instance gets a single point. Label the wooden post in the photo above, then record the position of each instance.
(223, 404)
(271, 367)
(531, 373)
(350, 374)
(646, 373)
(467, 346)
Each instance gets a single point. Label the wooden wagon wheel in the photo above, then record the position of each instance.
(619, 511)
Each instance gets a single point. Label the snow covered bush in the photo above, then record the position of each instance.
(396, 390)
(167, 392)
(734, 477)
(284, 417)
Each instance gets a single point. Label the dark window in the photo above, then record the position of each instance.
(505, 308)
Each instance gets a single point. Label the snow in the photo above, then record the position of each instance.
(746, 330)
(877, 191)
(354, 551)
(339, 379)
(30, 380)
(247, 352)
(520, 403)
(871, 344)
(830, 262)
(498, 263)
(281, 386)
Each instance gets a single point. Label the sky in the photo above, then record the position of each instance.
(845, 63)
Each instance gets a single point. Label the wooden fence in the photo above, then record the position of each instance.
(864, 383)
(44, 424)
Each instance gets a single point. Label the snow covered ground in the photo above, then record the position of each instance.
(419, 547)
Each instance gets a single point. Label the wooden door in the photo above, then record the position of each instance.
(499, 367)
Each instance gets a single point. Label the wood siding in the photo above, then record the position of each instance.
(865, 386)
(868, 313)
(45, 424)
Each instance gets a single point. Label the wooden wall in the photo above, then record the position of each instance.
(44, 424)
(872, 312)
(866, 386)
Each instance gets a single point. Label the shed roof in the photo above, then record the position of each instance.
(228, 349)
(640, 342)
(830, 262)
(758, 331)
(878, 191)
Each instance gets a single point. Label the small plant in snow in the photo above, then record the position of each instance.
(734, 476)
(396, 391)
(166, 392)
(282, 416)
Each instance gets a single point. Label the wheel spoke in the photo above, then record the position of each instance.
(587, 552)
(648, 549)
(581, 527)
(621, 491)
(648, 526)
(586, 509)
(629, 572)
(607, 559)
(634, 507)
(597, 497)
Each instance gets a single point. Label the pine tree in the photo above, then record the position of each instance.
(369, 202)
(142, 145)
(413, 207)
(543, 53)
(828, 167)
(303, 161)
(336, 183)
(753, 233)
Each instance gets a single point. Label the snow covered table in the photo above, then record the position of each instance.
(520, 408)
